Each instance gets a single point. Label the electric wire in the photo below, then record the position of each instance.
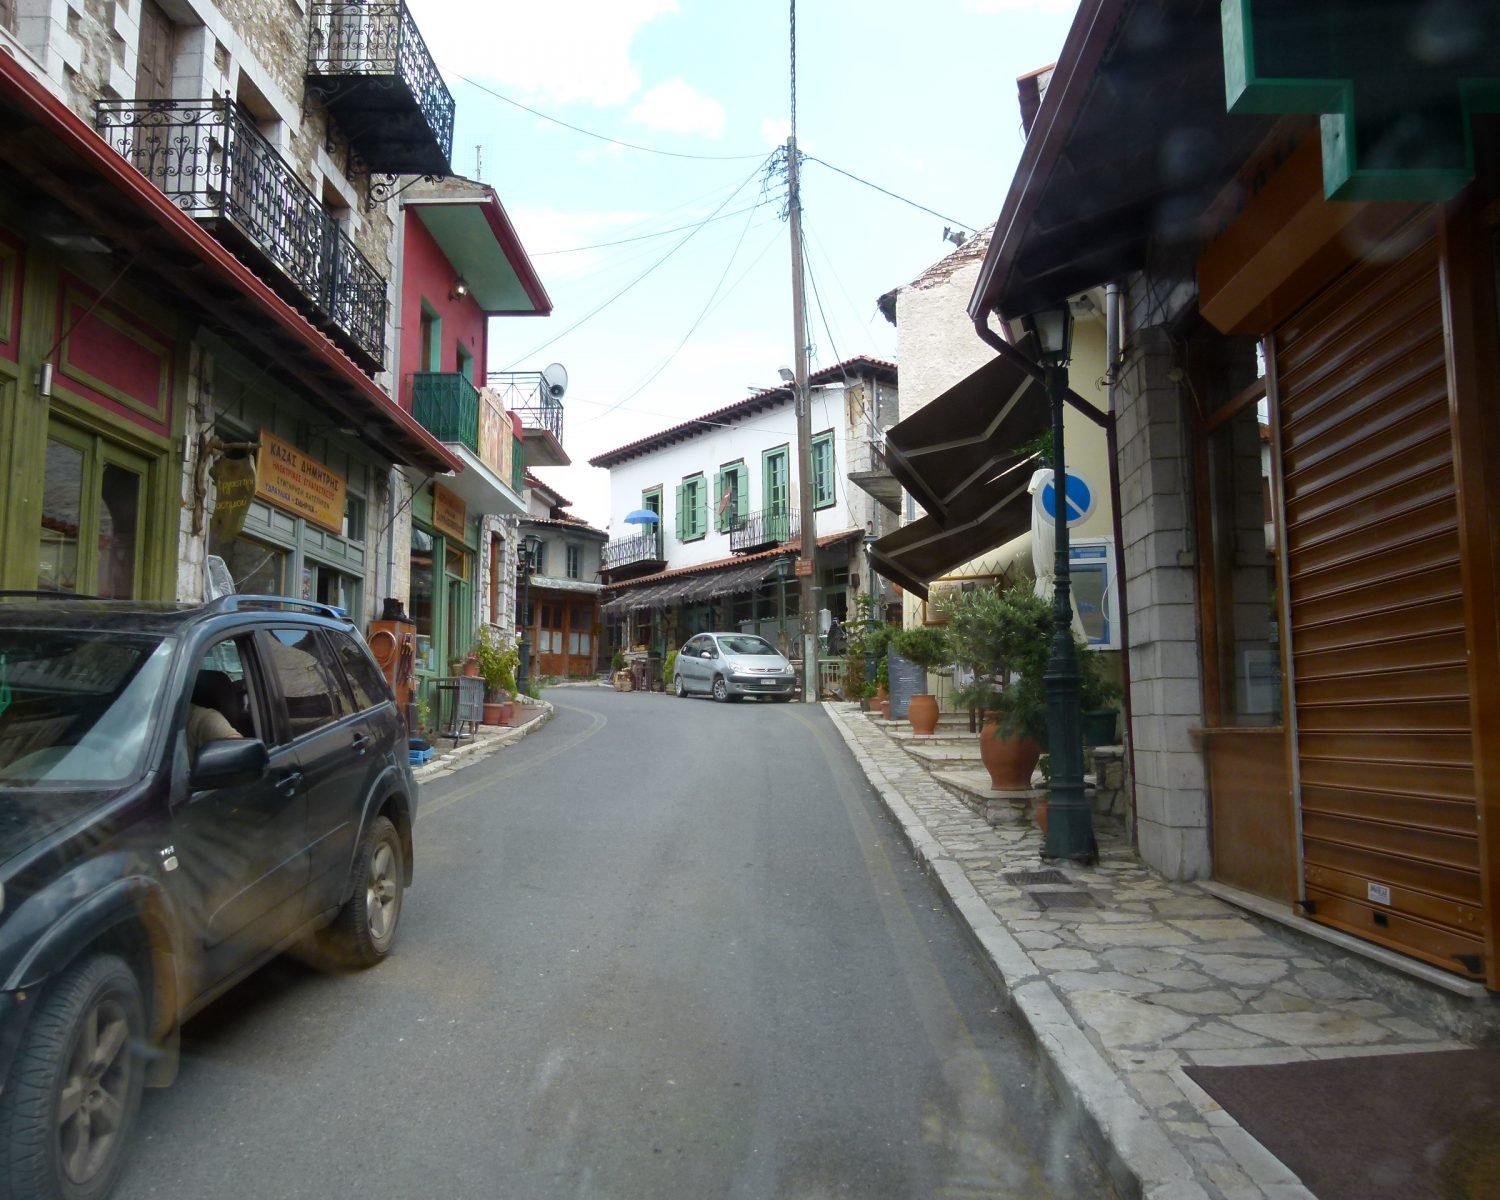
(536, 112)
(887, 192)
(598, 308)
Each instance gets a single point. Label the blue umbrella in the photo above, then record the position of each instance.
(642, 516)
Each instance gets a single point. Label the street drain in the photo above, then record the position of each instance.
(1061, 899)
(1028, 878)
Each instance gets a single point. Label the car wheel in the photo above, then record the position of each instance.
(721, 689)
(681, 690)
(362, 933)
(68, 1109)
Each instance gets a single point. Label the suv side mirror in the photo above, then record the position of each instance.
(228, 763)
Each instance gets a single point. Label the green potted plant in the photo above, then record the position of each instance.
(1099, 695)
(497, 660)
(1003, 639)
(927, 646)
(877, 644)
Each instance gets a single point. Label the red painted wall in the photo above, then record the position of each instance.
(427, 275)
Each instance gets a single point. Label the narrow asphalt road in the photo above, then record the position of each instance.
(661, 948)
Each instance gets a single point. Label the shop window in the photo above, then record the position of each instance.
(1243, 636)
(311, 683)
(256, 568)
(824, 488)
(354, 518)
(692, 508)
(423, 596)
(1091, 573)
(497, 549)
(93, 494)
(575, 561)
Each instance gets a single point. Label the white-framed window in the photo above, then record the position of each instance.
(575, 561)
(1091, 570)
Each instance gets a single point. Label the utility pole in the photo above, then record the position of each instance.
(807, 518)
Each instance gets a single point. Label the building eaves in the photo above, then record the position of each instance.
(885, 372)
(572, 524)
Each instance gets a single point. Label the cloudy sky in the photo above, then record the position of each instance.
(670, 272)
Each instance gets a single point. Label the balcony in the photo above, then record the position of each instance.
(215, 165)
(369, 65)
(634, 556)
(762, 530)
(526, 393)
(475, 426)
(876, 479)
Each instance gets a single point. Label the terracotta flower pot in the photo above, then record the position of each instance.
(1039, 810)
(501, 712)
(884, 707)
(1009, 761)
(922, 712)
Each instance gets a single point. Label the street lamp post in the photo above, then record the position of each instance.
(1070, 828)
(526, 556)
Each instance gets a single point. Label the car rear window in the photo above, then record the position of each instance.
(76, 707)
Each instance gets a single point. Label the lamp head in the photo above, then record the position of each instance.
(787, 374)
(1052, 330)
(460, 289)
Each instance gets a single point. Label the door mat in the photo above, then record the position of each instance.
(1378, 1127)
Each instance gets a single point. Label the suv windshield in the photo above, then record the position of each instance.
(75, 706)
(746, 644)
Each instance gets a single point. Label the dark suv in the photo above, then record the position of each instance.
(184, 793)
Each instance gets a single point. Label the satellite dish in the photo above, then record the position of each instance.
(555, 379)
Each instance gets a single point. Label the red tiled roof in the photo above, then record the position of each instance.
(762, 400)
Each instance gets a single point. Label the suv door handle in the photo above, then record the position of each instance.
(288, 783)
(360, 742)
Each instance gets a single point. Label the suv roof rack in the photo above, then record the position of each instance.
(18, 594)
(235, 603)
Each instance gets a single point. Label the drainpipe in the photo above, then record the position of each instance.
(1112, 350)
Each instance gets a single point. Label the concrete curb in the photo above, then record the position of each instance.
(1131, 1144)
(478, 747)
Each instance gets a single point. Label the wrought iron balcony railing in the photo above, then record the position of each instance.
(643, 548)
(215, 165)
(759, 530)
(452, 409)
(368, 63)
(525, 393)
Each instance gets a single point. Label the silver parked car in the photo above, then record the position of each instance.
(728, 666)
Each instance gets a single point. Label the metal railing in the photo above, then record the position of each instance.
(452, 409)
(525, 393)
(644, 547)
(768, 527)
(208, 157)
(381, 40)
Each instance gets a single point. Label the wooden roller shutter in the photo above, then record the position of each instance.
(1384, 744)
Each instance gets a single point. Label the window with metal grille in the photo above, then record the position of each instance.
(822, 470)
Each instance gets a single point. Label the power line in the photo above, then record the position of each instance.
(891, 194)
(536, 112)
(703, 312)
(605, 304)
(645, 236)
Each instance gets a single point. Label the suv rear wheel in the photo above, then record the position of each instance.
(70, 1104)
(362, 933)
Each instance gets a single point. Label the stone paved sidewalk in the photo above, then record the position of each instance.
(532, 715)
(1125, 978)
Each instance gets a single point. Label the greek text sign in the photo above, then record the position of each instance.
(292, 481)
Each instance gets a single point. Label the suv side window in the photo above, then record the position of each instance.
(310, 680)
(364, 677)
(223, 701)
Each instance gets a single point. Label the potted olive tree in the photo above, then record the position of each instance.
(927, 646)
(1003, 640)
(497, 660)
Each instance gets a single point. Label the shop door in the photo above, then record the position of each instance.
(94, 499)
(458, 626)
(1384, 749)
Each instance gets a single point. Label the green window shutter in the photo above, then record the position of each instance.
(822, 470)
(742, 495)
(721, 510)
(682, 533)
(700, 506)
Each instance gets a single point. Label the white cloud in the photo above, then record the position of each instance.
(565, 51)
(678, 107)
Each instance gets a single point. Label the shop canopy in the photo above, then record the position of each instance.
(694, 589)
